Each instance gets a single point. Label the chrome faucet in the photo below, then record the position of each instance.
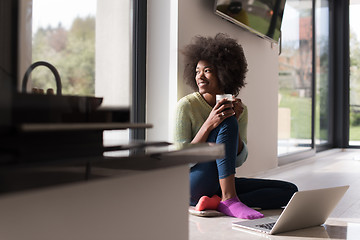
(48, 65)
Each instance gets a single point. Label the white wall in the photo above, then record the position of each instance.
(161, 67)
(196, 17)
(113, 52)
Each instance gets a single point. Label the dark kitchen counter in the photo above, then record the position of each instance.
(116, 161)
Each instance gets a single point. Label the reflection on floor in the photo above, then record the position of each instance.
(331, 168)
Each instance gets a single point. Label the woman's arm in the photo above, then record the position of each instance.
(243, 153)
(240, 146)
(239, 109)
(182, 127)
(216, 116)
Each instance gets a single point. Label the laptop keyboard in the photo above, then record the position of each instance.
(268, 226)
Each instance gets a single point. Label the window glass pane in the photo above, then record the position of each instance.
(88, 42)
(322, 72)
(67, 41)
(354, 14)
(295, 78)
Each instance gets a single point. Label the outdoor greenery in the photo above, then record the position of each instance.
(300, 114)
(301, 106)
(71, 51)
(355, 133)
(354, 87)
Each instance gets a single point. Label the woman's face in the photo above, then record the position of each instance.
(206, 78)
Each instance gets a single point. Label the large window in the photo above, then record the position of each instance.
(295, 78)
(322, 76)
(90, 44)
(304, 78)
(354, 128)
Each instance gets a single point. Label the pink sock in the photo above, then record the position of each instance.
(234, 208)
(206, 203)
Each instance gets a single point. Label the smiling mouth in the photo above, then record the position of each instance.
(202, 84)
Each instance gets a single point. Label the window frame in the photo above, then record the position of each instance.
(293, 157)
(340, 36)
(138, 108)
(331, 94)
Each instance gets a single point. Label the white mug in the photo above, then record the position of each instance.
(222, 96)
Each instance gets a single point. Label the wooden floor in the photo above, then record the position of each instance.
(335, 167)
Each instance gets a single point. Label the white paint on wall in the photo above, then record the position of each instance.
(113, 56)
(161, 85)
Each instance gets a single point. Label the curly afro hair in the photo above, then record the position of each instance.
(225, 54)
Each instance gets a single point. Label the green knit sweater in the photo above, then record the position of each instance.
(191, 113)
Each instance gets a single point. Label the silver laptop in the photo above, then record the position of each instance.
(305, 209)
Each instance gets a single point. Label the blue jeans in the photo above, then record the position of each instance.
(204, 177)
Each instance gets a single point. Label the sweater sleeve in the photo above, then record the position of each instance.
(242, 156)
(243, 121)
(182, 133)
